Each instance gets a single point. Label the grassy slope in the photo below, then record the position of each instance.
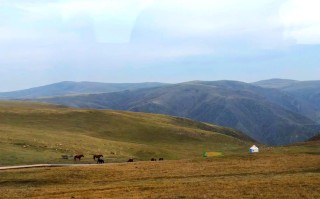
(33, 133)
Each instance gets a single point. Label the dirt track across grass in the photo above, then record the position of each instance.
(46, 165)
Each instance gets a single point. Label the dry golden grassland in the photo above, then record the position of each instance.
(247, 176)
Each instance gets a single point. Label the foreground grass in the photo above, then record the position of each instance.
(247, 176)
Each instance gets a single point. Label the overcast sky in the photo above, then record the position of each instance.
(47, 41)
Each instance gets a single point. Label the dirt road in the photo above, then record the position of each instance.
(45, 165)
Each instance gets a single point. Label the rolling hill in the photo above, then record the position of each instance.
(265, 114)
(41, 133)
(75, 88)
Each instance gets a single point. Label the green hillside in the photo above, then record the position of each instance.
(41, 133)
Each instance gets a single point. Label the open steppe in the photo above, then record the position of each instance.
(264, 175)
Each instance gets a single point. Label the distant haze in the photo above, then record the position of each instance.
(43, 42)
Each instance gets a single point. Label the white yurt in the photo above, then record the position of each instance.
(254, 149)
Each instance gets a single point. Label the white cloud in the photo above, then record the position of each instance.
(167, 29)
(111, 21)
(302, 20)
(218, 23)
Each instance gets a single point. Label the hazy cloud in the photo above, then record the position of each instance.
(302, 20)
(57, 40)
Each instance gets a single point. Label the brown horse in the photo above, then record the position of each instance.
(100, 161)
(153, 159)
(78, 157)
(160, 159)
(130, 160)
(97, 156)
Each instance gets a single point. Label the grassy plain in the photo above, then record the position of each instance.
(263, 175)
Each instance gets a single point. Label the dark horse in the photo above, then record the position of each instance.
(100, 161)
(153, 159)
(78, 157)
(130, 160)
(160, 159)
(97, 156)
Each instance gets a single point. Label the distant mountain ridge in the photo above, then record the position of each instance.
(75, 88)
(307, 92)
(275, 83)
(269, 115)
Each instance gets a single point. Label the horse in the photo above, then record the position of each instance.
(97, 156)
(130, 160)
(160, 159)
(153, 159)
(100, 161)
(78, 157)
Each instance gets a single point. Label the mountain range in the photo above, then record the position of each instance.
(275, 111)
(75, 88)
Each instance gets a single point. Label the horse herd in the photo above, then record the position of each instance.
(101, 161)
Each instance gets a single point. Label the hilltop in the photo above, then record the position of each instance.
(275, 83)
(41, 133)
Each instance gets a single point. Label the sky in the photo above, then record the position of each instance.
(48, 41)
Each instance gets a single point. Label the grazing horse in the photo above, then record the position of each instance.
(153, 159)
(78, 157)
(130, 160)
(97, 156)
(100, 161)
(160, 159)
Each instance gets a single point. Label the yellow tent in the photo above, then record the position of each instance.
(212, 154)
